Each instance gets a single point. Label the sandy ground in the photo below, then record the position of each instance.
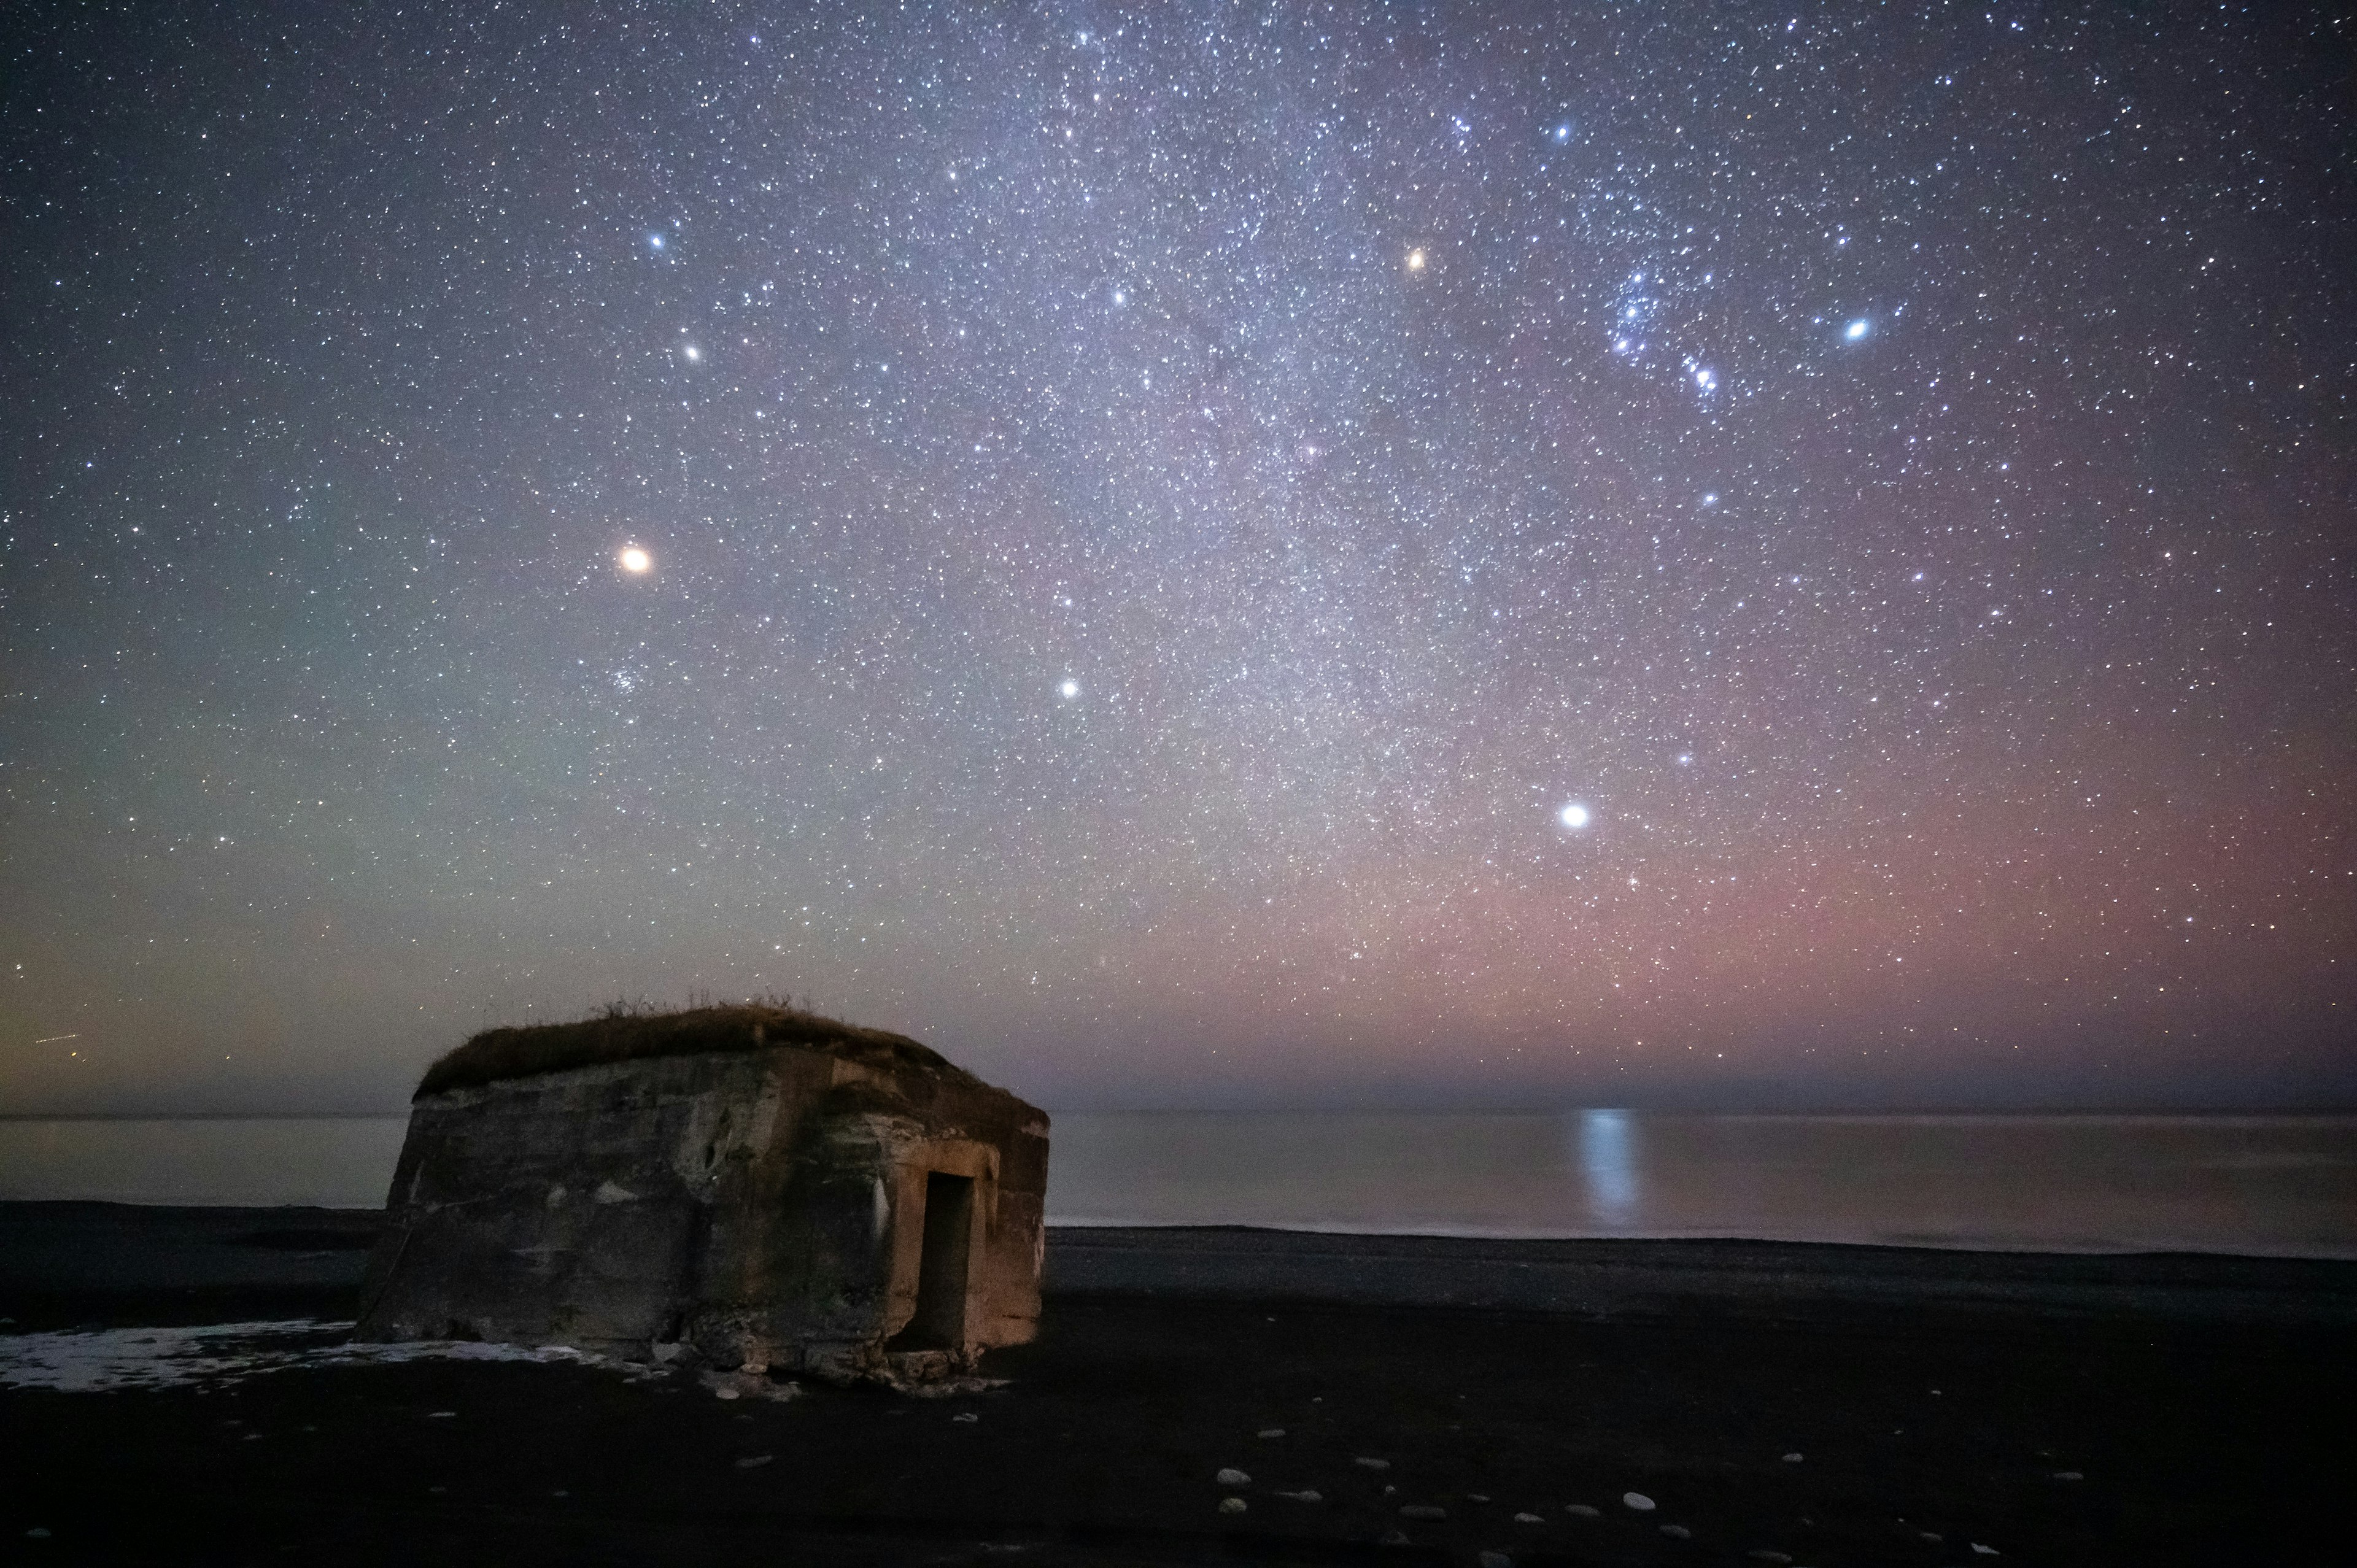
(1947, 1408)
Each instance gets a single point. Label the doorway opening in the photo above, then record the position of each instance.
(938, 1323)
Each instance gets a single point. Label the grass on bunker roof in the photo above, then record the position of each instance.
(631, 1032)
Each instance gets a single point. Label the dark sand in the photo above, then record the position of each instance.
(2204, 1400)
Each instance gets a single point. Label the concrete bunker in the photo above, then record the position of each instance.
(751, 1186)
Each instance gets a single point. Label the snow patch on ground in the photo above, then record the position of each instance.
(100, 1360)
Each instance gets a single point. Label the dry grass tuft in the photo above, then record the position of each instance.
(626, 1031)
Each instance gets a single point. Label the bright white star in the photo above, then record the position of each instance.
(1070, 690)
(635, 561)
(1574, 815)
(1857, 329)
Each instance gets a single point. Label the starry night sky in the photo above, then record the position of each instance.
(1157, 516)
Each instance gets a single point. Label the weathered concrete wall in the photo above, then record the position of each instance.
(760, 1206)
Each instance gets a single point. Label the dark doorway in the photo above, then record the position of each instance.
(940, 1320)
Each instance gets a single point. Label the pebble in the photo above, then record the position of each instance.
(1494, 1560)
(440, 1414)
(966, 1415)
(1373, 1463)
(1761, 1554)
(1392, 1538)
(2069, 1475)
(1677, 1532)
(37, 1533)
(1476, 1498)
(1423, 1511)
(1933, 1536)
(1582, 1510)
(1980, 1551)
(1637, 1500)
(754, 1461)
(253, 1438)
(1272, 1432)
(1791, 1458)
(1232, 1505)
(724, 1392)
(1528, 1518)
(1232, 1478)
(1303, 1497)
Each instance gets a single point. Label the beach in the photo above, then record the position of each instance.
(1441, 1398)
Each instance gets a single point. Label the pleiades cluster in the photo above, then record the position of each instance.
(1185, 552)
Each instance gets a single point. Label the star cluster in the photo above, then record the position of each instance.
(1185, 552)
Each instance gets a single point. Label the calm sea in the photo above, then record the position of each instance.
(2281, 1185)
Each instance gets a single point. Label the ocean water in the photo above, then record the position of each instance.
(2276, 1184)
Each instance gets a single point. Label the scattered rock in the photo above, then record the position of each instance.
(1475, 1498)
(725, 1392)
(966, 1415)
(37, 1532)
(1761, 1554)
(1272, 1432)
(754, 1461)
(1303, 1496)
(1677, 1532)
(1528, 1518)
(1582, 1510)
(1425, 1511)
(1933, 1536)
(2069, 1475)
(1232, 1505)
(1494, 1560)
(1392, 1538)
(440, 1414)
(1373, 1464)
(1232, 1478)
(1637, 1500)
(253, 1438)
(1980, 1551)
(1791, 1458)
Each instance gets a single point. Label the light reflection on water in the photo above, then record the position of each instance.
(1607, 1159)
(2282, 1184)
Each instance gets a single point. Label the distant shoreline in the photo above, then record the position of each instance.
(62, 1260)
(2335, 1112)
